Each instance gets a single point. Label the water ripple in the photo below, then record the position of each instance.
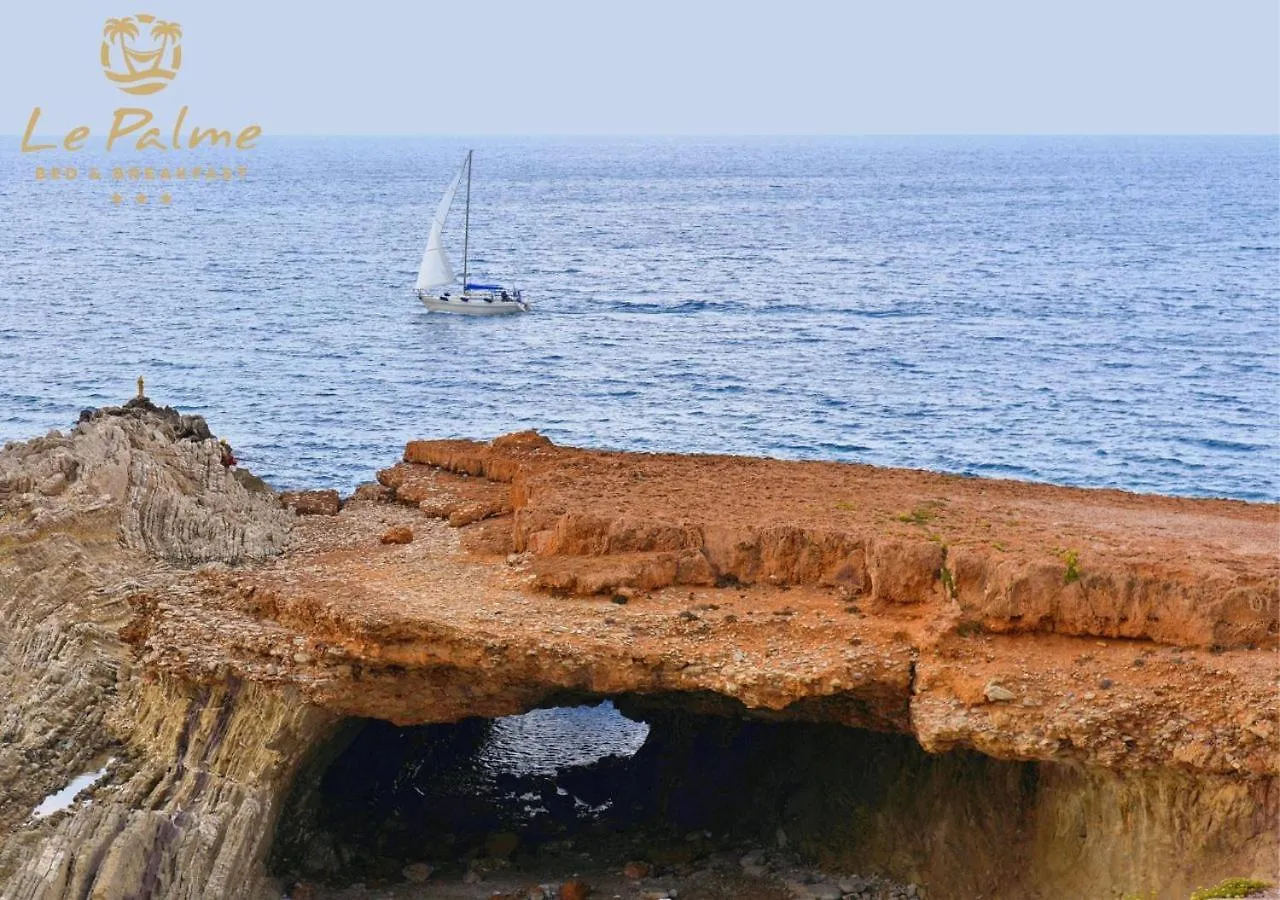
(1086, 311)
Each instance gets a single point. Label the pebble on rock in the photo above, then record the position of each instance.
(996, 693)
(416, 872)
(636, 869)
(401, 534)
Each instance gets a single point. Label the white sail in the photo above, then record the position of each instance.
(436, 271)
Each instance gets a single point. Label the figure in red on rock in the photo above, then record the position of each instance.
(228, 458)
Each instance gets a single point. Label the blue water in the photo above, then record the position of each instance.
(1090, 311)
(544, 741)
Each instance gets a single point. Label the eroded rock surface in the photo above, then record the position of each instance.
(128, 500)
(1125, 643)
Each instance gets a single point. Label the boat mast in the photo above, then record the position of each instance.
(466, 227)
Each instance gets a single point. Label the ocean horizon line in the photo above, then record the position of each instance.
(746, 135)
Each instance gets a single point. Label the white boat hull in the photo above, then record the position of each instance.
(472, 303)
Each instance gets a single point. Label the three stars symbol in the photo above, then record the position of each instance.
(165, 198)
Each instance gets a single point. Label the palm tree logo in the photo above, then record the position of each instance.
(141, 70)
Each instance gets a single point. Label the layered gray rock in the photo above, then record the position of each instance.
(87, 519)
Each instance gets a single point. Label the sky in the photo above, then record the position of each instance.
(665, 67)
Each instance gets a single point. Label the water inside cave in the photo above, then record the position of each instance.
(652, 778)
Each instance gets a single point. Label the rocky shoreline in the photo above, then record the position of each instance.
(1035, 691)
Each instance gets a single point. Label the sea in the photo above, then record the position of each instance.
(1093, 311)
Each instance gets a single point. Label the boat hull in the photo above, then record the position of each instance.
(473, 304)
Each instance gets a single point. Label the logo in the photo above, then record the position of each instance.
(146, 70)
(141, 54)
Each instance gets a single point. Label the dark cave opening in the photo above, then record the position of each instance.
(653, 778)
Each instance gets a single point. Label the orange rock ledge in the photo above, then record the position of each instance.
(1026, 621)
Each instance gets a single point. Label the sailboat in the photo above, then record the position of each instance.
(437, 287)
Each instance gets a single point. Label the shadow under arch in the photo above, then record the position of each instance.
(705, 778)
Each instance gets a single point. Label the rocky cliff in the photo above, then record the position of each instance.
(132, 498)
(1118, 651)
